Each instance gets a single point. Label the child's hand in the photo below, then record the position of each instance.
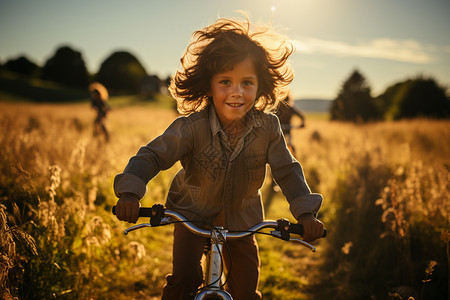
(312, 227)
(127, 208)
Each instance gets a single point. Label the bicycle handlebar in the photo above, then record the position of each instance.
(160, 216)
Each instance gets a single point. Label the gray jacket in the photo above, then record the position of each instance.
(216, 179)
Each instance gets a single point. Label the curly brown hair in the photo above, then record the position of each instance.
(100, 90)
(222, 45)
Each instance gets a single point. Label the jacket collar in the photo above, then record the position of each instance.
(253, 120)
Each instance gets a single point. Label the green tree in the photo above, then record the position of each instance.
(22, 65)
(419, 97)
(67, 67)
(122, 71)
(354, 102)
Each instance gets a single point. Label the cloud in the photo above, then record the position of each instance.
(398, 50)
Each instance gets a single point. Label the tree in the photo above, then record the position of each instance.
(22, 65)
(122, 71)
(67, 67)
(419, 97)
(354, 102)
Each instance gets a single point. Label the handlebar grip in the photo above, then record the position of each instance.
(143, 211)
(298, 229)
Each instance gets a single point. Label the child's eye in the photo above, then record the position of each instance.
(247, 83)
(224, 82)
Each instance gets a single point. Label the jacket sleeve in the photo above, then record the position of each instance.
(160, 154)
(288, 173)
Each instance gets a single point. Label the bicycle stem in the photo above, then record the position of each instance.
(215, 267)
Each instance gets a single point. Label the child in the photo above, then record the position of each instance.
(230, 78)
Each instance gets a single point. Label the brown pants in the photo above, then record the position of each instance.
(187, 270)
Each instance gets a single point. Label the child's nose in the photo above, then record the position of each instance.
(237, 90)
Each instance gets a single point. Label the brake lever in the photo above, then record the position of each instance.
(306, 244)
(136, 227)
(278, 234)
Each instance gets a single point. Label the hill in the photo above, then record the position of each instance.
(39, 90)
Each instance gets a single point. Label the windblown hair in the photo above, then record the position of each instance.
(100, 90)
(221, 46)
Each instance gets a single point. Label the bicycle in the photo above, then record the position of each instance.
(214, 281)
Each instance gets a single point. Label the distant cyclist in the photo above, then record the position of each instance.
(99, 98)
(285, 111)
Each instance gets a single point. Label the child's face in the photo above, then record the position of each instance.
(234, 91)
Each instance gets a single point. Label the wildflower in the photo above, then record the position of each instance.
(346, 248)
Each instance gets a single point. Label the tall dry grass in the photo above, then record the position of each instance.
(55, 187)
(386, 189)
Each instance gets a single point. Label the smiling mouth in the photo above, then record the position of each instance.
(235, 104)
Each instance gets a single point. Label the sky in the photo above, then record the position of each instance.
(388, 41)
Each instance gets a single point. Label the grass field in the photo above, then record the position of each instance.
(387, 204)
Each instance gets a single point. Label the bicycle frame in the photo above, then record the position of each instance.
(212, 287)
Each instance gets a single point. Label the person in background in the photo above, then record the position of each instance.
(99, 101)
(286, 110)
